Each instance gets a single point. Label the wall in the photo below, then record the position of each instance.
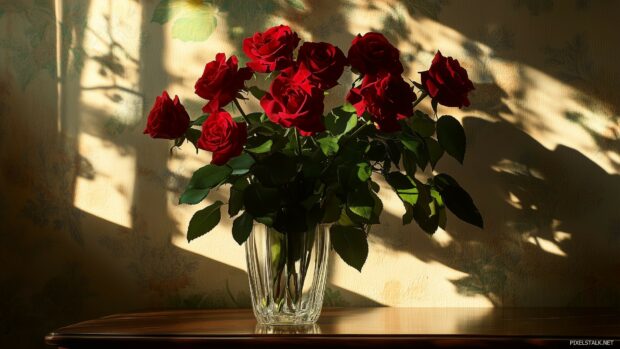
(89, 203)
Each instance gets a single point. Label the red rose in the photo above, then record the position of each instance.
(372, 53)
(222, 136)
(386, 97)
(271, 50)
(294, 102)
(447, 82)
(221, 81)
(323, 62)
(167, 119)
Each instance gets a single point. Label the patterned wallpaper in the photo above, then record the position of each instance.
(91, 225)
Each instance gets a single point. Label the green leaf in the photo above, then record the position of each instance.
(344, 220)
(263, 148)
(275, 170)
(204, 221)
(193, 135)
(331, 209)
(242, 227)
(435, 151)
(458, 200)
(361, 203)
(348, 108)
(266, 220)
(423, 211)
(329, 145)
(351, 245)
(422, 124)
(196, 25)
(260, 200)
(376, 209)
(256, 92)
(339, 122)
(193, 196)
(209, 176)
(241, 164)
(255, 118)
(417, 147)
(409, 164)
(235, 199)
(199, 120)
(364, 171)
(313, 164)
(405, 187)
(425, 218)
(451, 136)
(439, 207)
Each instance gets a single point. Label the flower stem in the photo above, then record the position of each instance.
(245, 117)
(421, 98)
(298, 141)
(356, 132)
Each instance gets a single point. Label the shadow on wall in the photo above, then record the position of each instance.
(551, 229)
(551, 226)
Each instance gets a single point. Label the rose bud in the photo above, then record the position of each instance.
(447, 82)
(271, 50)
(372, 53)
(167, 119)
(221, 81)
(386, 97)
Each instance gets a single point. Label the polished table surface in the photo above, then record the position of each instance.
(348, 327)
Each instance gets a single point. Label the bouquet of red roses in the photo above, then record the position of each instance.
(294, 165)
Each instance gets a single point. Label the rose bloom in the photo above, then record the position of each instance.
(372, 53)
(447, 82)
(167, 119)
(222, 136)
(386, 97)
(271, 50)
(293, 101)
(221, 81)
(322, 62)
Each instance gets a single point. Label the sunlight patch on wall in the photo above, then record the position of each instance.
(110, 83)
(110, 106)
(107, 195)
(409, 282)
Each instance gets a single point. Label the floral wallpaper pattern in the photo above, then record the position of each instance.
(89, 203)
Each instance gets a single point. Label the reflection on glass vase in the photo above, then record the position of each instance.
(287, 274)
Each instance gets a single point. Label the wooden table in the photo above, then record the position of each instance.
(348, 328)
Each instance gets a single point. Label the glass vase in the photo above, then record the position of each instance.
(287, 274)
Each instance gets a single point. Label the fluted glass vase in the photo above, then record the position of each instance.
(287, 274)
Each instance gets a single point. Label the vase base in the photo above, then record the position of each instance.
(287, 329)
(286, 320)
